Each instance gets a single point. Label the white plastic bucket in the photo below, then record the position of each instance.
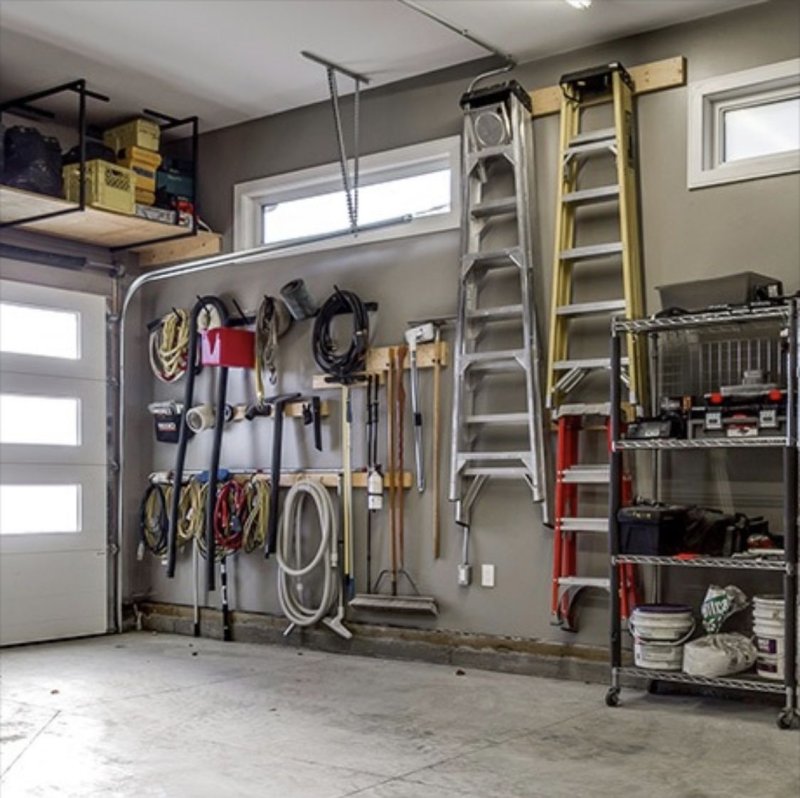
(659, 632)
(768, 627)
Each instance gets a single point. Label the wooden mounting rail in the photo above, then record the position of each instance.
(330, 479)
(655, 76)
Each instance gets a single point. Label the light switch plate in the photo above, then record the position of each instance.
(487, 575)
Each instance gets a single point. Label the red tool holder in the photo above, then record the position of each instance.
(228, 347)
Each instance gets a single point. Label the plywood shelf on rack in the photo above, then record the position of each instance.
(91, 226)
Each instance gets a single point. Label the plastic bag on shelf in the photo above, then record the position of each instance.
(719, 604)
(718, 655)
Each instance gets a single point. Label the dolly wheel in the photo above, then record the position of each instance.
(612, 697)
(789, 719)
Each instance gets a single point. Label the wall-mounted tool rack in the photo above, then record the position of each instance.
(378, 363)
(329, 478)
(782, 320)
(61, 218)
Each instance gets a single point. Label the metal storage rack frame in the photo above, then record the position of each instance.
(787, 315)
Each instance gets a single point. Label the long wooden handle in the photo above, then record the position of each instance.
(401, 406)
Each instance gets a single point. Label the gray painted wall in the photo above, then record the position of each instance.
(709, 232)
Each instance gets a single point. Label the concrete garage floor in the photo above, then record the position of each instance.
(159, 715)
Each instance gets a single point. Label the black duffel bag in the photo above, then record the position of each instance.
(32, 161)
(714, 533)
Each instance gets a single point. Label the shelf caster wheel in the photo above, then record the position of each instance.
(612, 697)
(789, 719)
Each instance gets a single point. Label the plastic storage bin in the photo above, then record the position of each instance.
(108, 187)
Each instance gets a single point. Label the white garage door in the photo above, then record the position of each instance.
(53, 560)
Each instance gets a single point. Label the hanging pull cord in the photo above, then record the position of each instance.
(350, 190)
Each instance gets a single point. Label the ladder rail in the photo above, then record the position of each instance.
(481, 207)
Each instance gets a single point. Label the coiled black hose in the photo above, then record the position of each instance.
(341, 366)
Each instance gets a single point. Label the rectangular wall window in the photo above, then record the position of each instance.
(745, 125)
(39, 420)
(413, 190)
(39, 509)
(427, 194)
(42, 332)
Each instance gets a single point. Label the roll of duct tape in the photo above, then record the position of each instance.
(200, 417)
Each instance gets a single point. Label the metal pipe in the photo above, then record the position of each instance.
(614, 500)
(507, 57)
(790, 507)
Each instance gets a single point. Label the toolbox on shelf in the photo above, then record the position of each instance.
(109, 187)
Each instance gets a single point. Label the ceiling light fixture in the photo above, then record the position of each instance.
(581, 5)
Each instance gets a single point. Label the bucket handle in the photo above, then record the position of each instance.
(665, 643)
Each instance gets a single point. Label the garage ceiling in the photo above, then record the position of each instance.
(236, 60)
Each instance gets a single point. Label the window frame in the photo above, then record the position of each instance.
(252, 195)
(711, 99)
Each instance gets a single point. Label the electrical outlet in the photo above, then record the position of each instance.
(464, 575)
(487, 575)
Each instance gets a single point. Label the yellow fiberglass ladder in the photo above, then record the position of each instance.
(593, 279)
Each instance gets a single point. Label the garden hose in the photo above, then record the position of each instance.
(341, 366)
(254, 534)
(154, 519)
(289, 550)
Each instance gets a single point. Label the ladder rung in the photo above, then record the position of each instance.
(588, 308)
(588, 136)
(584, 409)
(588, 195)
(584, 581)
(592, 251)
(515, 456)
(499, 472)
(498, 418)
(586, 363)
(500, 359)
(498, 259)
(496, 313)
(584, 524)
(495, 207)
(587, 475)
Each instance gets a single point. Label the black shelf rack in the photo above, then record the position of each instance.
(785, 316)
(28, 106)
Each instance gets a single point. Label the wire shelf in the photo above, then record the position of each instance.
(754, 684)
(688, 320)
(704, 443)
(703, 562)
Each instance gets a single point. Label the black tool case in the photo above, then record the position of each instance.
(651, 530)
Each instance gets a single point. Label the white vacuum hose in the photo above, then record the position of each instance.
(289, 550)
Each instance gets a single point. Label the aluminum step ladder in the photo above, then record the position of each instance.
(574, 423)
(497, 171)
(577, 265)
